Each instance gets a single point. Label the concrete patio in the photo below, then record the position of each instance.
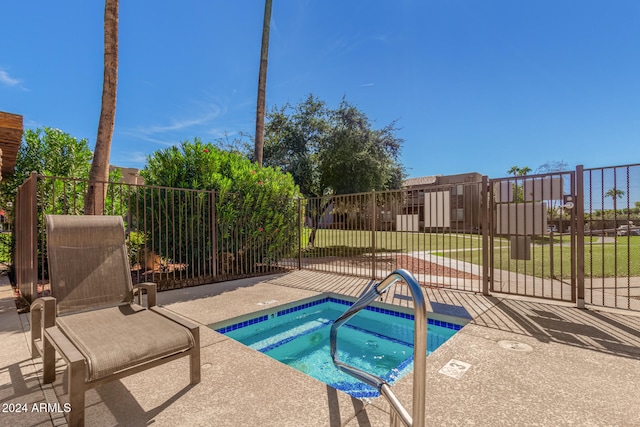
(532, 364)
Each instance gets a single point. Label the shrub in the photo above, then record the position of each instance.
(255, 211)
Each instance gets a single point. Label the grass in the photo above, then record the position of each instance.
(391, 241)
(549, 258)
(617, 259)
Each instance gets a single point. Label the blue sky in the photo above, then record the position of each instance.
(474, 85)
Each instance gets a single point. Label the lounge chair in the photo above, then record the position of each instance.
(92, 320)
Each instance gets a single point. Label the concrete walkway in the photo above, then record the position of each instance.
(529, 364)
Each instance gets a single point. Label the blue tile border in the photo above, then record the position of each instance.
(444, 324)
(243, 324)
(374, 309)
(302, 306)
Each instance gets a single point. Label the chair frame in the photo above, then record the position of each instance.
(47, 338)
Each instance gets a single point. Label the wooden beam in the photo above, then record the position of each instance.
(10, 138)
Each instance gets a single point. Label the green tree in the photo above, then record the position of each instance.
(356, 158)
(262, 83)
(50, 152)
(97, 191)
(294, 136)
(332, 151)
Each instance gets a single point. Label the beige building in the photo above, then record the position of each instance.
(129, 175)
(446, 202)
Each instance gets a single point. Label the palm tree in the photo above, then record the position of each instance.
(517, 189)
(262, 83)
(615, 194)
(99, 173)
(524, 170)
(519, 171)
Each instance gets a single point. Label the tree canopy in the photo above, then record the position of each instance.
(519, 171)
(332, 151)
(51, 152)
(553, 166)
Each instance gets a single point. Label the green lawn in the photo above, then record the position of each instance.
(620, 258)
(391, 241)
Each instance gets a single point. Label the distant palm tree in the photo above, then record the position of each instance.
(262, 83)
(524, 170)
(615, 194)
(519, 171)
(99, 173)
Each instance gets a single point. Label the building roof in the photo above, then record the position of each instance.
(423, 180)
(459, 178)
(10, 139)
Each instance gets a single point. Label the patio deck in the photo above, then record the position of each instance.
(583, 367)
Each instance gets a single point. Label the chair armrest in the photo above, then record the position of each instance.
(41, 307)
(150, 288)
(171, 316)
(63, 345)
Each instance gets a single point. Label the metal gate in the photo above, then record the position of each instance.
(611, 260)
(533, 239)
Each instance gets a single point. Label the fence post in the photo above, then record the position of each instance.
(214, 235)
(299, 233)
(579, 212)
(485, 204)
(26, 235)
(373, 235)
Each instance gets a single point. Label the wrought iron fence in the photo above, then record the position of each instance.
(612, 236)
(175, 237)
(533, 235)
(462, 235)
(435, 232)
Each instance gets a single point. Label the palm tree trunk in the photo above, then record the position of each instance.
(262, 83)
(99, 174)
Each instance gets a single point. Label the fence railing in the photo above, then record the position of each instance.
(532, 239)
(464, 236)
(612, 236)
(435, 233)
(175, 237)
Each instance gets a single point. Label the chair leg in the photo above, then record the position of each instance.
(76, 393)
(43, 307)
(194, 358)
(48, 362)
(36, 332)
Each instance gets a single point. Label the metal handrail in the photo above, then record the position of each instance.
(419, 348)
